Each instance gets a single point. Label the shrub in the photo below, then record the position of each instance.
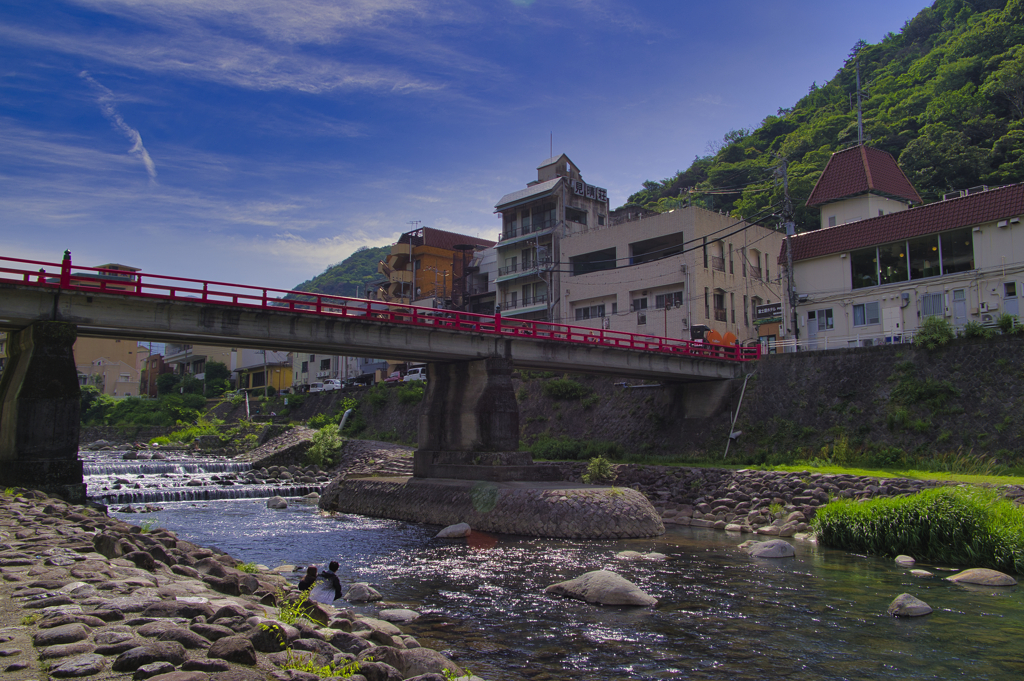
(566, 448)
(1007, 323)
(325, 446)
(976, 330)
(377, 396)
(598, 470)
(411, 393)
(565, 389)
(934, 333)
(960, 526)
(200, 428)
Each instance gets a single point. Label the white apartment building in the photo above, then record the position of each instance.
(666, 274)
(875, 279)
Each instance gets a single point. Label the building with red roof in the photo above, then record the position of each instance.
(875, 277)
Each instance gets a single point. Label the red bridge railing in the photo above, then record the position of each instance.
(144, 285)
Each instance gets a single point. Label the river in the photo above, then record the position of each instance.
(721, 614)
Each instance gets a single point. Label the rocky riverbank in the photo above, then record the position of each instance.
(87, 596)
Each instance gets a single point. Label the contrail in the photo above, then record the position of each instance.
(105, 99)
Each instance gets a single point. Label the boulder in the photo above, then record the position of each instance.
(426, 661)
(604, 588)
(361, 592)
(904, 561)
(775, 548)
(166, 651)
(233, 649)
(906, 605)
(78, 666)
(454, 531)
(983, 577)
(68, 633)
(398, 615)
(277, 502)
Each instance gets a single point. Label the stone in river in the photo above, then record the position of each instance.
(904, 561)
(398, 615)
(983, 577)
(906, 605)
(776, 548)
(921, 574)
(277, 502)
(361, 592)
(604, 588)
(454, 531)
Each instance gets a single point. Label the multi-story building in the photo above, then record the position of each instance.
(187, 358)
(427, 267)
(873, 280)
(263, 369)
(534, 220)
(310, 368)
(668, 274)
(110, 364)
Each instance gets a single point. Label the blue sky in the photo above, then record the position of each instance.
(259, 141)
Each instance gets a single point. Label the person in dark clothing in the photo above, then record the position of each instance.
(309, 579)
(331, 580)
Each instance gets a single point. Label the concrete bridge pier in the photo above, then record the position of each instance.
(469, 424)
(39, 412)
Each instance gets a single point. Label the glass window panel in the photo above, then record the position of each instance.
(892, 261)
(924, 256)
(865, 268)
(957, 251)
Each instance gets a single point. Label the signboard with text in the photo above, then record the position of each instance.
(581, 188)
(769, 311)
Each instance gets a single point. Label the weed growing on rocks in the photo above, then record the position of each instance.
(325, 447)
(958, 526)
(248, 567)
(598, 470)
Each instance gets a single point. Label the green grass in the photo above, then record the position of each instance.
(899, 473)
(248, 567)
(967, 526)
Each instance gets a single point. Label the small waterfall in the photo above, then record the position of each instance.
(124, 468)
(110, 479)
(145, 496)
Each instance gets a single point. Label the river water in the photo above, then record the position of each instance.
(721, 614)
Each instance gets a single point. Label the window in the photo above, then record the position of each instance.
(639, 304)
(593, 262)
(707, 305)
(957, 251)
(258, 379)
(924, 257)
(305, 367)
(831, 220)
(822, 317)
(880, 213)
(766, 275)
(719, 300)
(525, 217)
(510, 227)
(865, 314)
(732, 306)
(932, 305)
(718, 260)
(746, 312)
(312, 358)
(743, 260)
(641, 317)
(1010, 289)
(600, 219)
(664, 300)
(589, 312)
(575, 215)
(325, 364)
(615, 308)
(731, 270)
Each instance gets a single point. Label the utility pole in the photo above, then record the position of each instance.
(787, 218)
(860, 119)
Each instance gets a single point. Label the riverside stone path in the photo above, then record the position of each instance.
(87, 596)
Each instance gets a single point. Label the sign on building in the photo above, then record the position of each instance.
(769, 311)
(581, 188)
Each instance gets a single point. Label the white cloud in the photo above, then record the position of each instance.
(105, 99)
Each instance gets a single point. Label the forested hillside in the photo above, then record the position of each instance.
(348, 277)
(944, 96)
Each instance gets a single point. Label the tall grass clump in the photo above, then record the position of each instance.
(955, 525)
(563, 448)
(565, 389)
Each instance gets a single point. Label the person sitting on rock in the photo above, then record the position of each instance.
(308, 581)
(331, 581)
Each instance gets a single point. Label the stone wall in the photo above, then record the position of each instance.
(962, 399)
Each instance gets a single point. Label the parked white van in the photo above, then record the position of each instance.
(332, 384)
(416, 374)
(316, 387)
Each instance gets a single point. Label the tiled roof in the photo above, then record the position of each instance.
(859, 170)
(528, 193)
(438, 238)
(941, 216)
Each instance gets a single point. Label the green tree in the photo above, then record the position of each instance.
(167, 383)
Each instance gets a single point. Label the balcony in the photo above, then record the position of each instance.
(755, 272)
(524, 302)
(525, 269)
(718, 263)
(508, 269)
(721, 315)
(520, 233)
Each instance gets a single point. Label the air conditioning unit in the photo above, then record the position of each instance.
(987, 318)
(682, 268)
(989, 307)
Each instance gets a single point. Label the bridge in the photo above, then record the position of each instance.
(469, 404)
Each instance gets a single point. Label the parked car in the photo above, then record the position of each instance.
(416, 374)
(395, 377)
(316, 387)
(332, 384)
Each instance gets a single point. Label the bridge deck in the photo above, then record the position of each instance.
(114, 303)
